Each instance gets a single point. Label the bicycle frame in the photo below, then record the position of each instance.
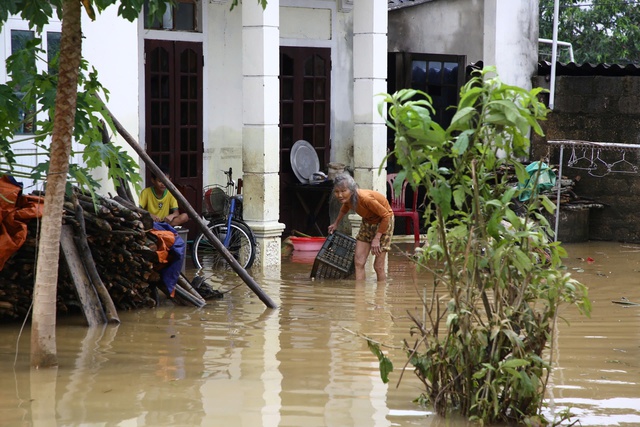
(233, 200)
(232, 231)
(232, 210)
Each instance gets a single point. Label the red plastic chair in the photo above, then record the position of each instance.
(400, 208)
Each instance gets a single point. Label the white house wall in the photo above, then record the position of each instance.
(342, 91)
(306, 23)
(223, 99)
(452, 27)
(470, 28)
(109, 46)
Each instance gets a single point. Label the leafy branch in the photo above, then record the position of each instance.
(494, 267)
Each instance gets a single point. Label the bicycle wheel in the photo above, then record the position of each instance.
(241, 246)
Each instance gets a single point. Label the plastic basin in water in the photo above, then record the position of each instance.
(307, 244)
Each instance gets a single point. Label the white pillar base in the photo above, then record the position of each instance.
(269, 245)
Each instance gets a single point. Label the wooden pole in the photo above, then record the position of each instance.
(91, 307)
(193, 214)
(87, 259)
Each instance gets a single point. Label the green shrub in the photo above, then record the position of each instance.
(497, 277)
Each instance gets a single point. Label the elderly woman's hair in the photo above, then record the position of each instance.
(344, 180)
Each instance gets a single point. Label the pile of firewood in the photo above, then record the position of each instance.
(16, 280)
(111, 234)
(123, 252)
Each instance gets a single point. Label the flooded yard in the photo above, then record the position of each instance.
(237, 363)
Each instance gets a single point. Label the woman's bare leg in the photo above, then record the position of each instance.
(379, 266)
(362, 252)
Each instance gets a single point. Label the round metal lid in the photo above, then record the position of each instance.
(304, 160)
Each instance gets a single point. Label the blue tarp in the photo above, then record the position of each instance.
(171, 272)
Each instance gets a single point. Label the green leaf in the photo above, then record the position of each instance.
(514, 363)
(386, 367)
(459, 196)
(523, 260)
(462, 118)
(548, 204)
(462, 142)
(508, 195)
(481, 373)
(526, 383)
(452, 318)
(514, 219)
(469, 97)
(36, 12)
(441, 196)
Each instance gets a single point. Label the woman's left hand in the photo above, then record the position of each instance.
(375, 247)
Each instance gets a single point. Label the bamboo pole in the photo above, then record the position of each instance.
(248, 280)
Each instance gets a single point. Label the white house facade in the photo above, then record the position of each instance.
(211, 88)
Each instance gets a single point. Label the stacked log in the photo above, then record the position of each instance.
(16, 280)
(123, 250)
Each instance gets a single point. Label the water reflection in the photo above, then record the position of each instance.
(597, 360)
(235, 363)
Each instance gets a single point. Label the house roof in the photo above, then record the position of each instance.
(586, 69)
(399, 4)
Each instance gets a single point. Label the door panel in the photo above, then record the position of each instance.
(173, 122)
(305, 88)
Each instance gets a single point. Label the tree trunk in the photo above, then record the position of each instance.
(43, 333)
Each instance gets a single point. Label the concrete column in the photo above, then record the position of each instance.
(512, 45)
(370, 79)
(260, 133)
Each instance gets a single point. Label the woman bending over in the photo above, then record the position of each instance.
(377, 223)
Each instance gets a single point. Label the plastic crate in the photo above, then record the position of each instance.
(335, 258)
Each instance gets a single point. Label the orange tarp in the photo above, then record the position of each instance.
(15, 212)
(165, 241)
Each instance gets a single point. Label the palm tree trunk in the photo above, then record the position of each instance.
(43, 333)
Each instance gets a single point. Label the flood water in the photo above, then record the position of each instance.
(237, 363)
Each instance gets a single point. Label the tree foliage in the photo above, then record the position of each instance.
(37, 96)
(498, 281)
(600, 31)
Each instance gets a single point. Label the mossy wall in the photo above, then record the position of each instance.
(599, 109)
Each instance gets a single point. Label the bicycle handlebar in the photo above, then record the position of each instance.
(229, 175)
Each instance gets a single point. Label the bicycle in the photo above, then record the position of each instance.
(223, 209)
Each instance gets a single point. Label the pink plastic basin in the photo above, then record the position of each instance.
(307, 244)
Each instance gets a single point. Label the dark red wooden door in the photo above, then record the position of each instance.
(305, 88)
(173, 120)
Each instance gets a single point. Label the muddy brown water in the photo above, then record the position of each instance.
(237, 363)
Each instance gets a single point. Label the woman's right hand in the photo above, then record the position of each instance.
(332, 228)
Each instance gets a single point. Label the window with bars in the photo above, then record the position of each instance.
(20, 40)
